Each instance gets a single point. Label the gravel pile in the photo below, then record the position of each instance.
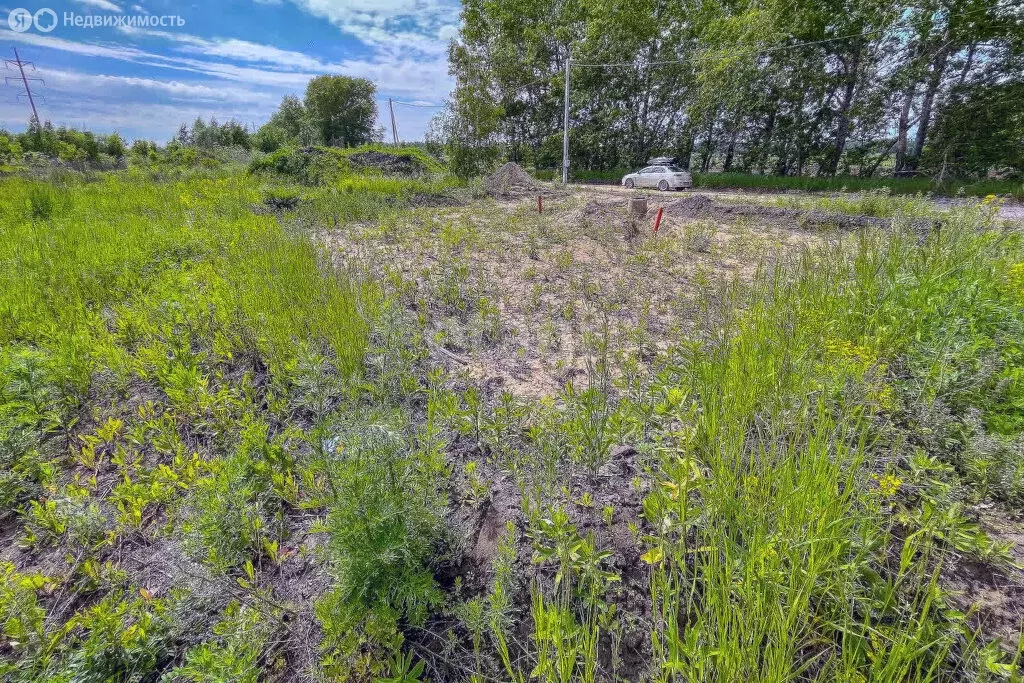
(510, 181)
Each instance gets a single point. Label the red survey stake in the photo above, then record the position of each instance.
(657, 220)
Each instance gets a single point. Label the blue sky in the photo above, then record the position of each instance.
(231, 59)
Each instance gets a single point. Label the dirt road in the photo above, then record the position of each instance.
(1009, 210)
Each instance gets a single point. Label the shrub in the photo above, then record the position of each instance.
(120, 640)
(327, 165)
(234, 656)
(384, 519)
(230, 515)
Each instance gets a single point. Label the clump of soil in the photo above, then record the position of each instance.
(697, 206)
(510, 181)
(599, 215)
(391, 164)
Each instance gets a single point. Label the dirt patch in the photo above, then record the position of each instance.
(703, 206)
(479, 525)
(992, 595)
(436, 200)
(602, 505)
(283, 203)
(549, 279)
(598, 214)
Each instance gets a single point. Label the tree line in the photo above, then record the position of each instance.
(66, 144)
(337, 111)
(768, 86)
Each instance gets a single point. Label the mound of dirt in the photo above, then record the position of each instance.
(695, 206)
(391, 164)
(599, 213)
(510, 181)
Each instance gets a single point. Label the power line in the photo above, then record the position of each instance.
(24, 80)
(421, 106)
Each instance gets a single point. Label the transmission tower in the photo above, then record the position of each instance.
(25, 81)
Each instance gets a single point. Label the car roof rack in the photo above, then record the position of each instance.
(662, 161)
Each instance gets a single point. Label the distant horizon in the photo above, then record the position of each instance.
(129, 67)
(382, 120)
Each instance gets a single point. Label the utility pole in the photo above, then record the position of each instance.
(565, 132)
(28, 90)
(394, 128)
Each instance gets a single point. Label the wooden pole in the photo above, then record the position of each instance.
(394, 128)
(565, 127)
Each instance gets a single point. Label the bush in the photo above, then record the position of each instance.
(384, 521)
(269, 139)
(118, 641)
(233, 514)
(327, 165)
(233, 656)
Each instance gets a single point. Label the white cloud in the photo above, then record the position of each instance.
(448, 32)
(78, 82)
(395, 71)
(381, 12)
(233, 48)
(120, 52)
(400, 23)
(105, 5)
(232, 77)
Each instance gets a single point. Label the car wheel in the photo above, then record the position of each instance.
(663, 186)
(629, 184)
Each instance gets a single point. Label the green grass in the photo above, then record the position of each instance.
(176, 348)
(125, 260)
(185, 371)
(779, 547)
(971, 188)
(881, 203)
(326, 165)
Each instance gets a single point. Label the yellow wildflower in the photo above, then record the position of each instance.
(889, 485)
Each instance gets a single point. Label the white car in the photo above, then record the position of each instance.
(662, 177)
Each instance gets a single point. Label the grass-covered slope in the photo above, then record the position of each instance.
(319, 165)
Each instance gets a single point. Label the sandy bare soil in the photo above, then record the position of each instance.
(525, 302)
(528, 300)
